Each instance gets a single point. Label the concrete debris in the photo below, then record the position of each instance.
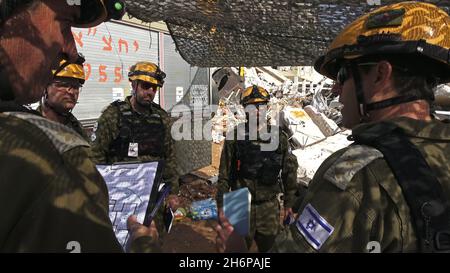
(302, 129)
(442, 97)
(310, 158)
(326, 125)
(305, 107)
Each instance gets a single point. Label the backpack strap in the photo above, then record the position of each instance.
(422, 191)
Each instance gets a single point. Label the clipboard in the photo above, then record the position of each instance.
(130, 191)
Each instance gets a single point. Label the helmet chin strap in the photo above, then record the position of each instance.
(362, 107)
(392, 101)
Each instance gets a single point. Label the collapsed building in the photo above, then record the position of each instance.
(305, 107)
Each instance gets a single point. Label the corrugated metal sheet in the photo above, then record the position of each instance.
(110, 49)
(179, 73)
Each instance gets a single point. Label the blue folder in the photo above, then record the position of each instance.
(236, 207)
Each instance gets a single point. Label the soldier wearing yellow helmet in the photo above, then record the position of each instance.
(138, 129)
(52, 198)
(390, 190)
(61, 95)
(245, 163)
(255, 95)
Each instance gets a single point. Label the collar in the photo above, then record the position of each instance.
(432, 130)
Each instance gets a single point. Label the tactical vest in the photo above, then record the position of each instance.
(254, 164)
(430, 208)
(146, 130)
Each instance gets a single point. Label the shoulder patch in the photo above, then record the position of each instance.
(314, 228)
(351, 162)
(62, 137)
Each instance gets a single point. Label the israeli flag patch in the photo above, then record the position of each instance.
(314, 228)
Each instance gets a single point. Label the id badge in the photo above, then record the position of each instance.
(133, 149)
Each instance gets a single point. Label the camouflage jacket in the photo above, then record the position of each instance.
(107, 130)
(229, 181)
(52, 198)
(72, 122)
(354, 201)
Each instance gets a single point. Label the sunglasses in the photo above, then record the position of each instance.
(344, 72)
(147, 86)
(67, 86)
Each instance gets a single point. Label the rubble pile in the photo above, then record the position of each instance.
(311, 157)
(305, 108)
(228, 115)
(442, 97)
(194, 188)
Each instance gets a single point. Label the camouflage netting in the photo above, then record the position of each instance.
(213, 33)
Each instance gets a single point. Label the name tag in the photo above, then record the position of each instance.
(133, 149)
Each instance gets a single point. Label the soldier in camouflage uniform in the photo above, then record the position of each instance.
(366, 198)
(61, 95)
(52, 198)
(138, 129)
(244, 163)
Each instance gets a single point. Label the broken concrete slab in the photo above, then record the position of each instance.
(310, 158)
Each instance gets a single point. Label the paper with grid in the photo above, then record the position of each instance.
(129, 186)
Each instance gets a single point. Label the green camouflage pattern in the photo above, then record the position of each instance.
(264, 224)
(265, 208)
(72, 122)
(365, 203)
(51, 193)
(108, 129)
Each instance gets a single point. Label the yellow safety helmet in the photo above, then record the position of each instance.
(254, 94)
(221, 102)
(148, 72)
(418, 30)
(71, 70)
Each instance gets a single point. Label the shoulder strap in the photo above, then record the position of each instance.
(423, 193)
(62, 137)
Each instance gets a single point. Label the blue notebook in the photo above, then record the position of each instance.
(236, 207)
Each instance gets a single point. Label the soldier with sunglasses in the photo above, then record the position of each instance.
(390, 190)
(138, 129)
(246, 162)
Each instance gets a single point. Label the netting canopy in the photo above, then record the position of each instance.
(252, 33)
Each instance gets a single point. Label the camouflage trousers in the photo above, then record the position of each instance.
(264, 224)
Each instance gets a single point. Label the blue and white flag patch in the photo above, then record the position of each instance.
(314, 227)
